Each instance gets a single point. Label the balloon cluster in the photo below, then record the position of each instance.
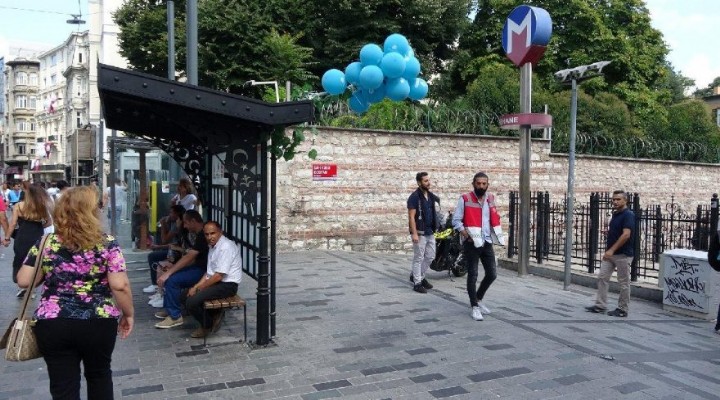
(388, 72)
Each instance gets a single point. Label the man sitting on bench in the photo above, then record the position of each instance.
(224, 273)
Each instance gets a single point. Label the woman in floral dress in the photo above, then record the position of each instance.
(86, 301)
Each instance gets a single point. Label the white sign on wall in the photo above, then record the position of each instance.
(686, 280)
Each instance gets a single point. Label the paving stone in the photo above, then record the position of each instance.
(631, 387)
(448, 392)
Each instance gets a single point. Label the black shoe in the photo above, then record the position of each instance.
(20, 293)
(595, 309)
(419, 288)
(618, 313)
(412, 278)
(426, 284)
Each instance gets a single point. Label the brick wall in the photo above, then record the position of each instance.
(365, 208)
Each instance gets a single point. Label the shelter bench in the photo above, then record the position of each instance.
(231, 302)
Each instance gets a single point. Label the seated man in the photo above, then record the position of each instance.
(184, 273)
(224, 273)
(169, 234)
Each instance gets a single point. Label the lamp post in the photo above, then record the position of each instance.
(573, 76)
(273, 83)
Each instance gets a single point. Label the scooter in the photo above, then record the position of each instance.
(448, 251)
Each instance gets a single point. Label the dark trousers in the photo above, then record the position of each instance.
(486, 255)
(717, 324)
(194, 304)
(64, 343)
(155, 257)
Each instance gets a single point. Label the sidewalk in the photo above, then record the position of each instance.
(349, 326)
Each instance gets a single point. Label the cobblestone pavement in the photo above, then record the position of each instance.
(349, 326)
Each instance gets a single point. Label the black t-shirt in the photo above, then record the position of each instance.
(620, 221)
(200, 244)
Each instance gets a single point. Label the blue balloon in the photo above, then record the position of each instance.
(398, 43)
(376, 95)
(371, 54)
(392, 65)
(371, 77)
(409, 54)
(418, 89)
(358, 103)
(352, 72)
(333, 81)
(412, 69)
(397, 89)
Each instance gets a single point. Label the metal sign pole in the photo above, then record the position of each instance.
(570, 201)
(525, 151)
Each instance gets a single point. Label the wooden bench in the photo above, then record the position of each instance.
(226, 303)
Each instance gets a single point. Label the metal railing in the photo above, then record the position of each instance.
(658, 228)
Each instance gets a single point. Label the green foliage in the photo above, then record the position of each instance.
(708, 90)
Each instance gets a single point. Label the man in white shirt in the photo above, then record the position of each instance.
(120, 189)
(224, 273)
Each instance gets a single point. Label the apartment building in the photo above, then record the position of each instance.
(20, 93)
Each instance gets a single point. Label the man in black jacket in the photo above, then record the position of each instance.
(423, 223)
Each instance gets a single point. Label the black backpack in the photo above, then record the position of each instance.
(714, 251)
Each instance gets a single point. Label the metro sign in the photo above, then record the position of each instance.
(526, 34)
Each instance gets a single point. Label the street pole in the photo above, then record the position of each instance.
(570, 201)
(111, 185)
(525, 151)
(192, 42)
(171, 39)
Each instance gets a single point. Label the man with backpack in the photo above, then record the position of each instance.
(423, 222)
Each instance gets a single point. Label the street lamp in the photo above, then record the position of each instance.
(274, 83)
(573, 76)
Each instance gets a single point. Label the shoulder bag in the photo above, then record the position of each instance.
(19, 339)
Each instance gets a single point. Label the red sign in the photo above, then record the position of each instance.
(534, 121)
(324, 172)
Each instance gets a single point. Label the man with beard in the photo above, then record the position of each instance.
(423, 222)
(477, 220)
(619, 253)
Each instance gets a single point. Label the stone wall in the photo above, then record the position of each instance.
(365, 208)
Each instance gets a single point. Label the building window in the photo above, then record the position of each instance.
(21, 101)
(79, 121)
(21, 78)
(53, 60)
(21, 125)
(78, 84)
(53, 80)
(21, 148)
(33, 102)
(80, 57)
(32, 125)
(33, 78)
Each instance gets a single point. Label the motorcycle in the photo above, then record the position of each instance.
(448, 251)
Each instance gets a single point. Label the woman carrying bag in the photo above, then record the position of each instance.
(85, 291)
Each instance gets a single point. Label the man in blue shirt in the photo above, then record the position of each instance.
(618, 255)
(14, 195)
(423, 223)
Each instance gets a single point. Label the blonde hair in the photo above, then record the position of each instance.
(77, 219)
(35, 204)
(187, 184)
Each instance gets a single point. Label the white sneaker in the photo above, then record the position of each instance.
(477, 314)
(157, 303)
(150, 289)
(155, 296)
(484, 309)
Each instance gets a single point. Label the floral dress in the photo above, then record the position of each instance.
(76, 282)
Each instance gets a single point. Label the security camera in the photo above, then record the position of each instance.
(598, 66)
(579, 72)
(563, 75)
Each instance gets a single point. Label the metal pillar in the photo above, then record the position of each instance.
(570, 200)
(525, 151)
(192, 42)
(263, 290)
(143, 200)
(111, 185)
(171, 38)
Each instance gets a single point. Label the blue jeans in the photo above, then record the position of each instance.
(174, 285)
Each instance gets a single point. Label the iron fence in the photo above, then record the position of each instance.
(658, 228)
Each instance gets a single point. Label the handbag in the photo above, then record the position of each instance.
(19, 339)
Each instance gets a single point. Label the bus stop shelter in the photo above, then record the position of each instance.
(199, 128)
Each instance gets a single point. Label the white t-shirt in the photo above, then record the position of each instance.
(120, 195)
(188, 201)
(225, 258)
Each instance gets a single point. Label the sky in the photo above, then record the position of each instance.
(688, 27)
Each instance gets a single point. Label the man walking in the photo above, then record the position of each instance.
(618, 255)
(224, 273)
(423, 223)
(477, 220)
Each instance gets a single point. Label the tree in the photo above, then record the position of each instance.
(584, 31)
(708, 90)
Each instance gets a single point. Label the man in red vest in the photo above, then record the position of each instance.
(477, 220)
